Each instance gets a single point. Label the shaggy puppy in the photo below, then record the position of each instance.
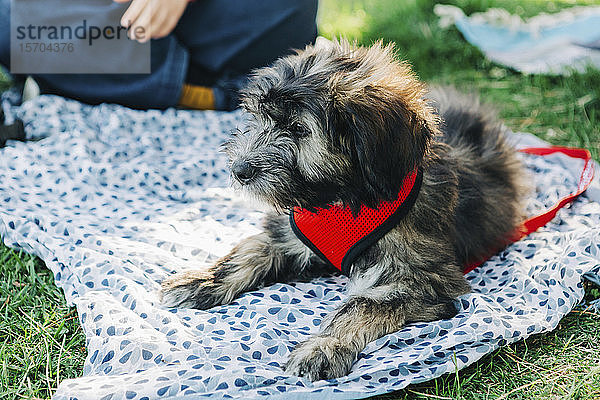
(340, 126)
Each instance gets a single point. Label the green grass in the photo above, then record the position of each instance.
(563, 110)
(4, 82)
(41, 342)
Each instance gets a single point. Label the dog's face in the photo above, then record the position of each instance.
(332, 123)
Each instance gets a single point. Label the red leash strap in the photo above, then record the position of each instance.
(532, 224)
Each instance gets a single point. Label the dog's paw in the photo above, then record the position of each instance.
(190, 289)
(320, 357)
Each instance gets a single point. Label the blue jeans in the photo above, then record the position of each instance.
(213, 40)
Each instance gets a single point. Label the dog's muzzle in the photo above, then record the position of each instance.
(243, 171)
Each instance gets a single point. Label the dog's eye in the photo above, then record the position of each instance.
(299, 130)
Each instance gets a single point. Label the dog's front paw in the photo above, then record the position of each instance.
(320, 357)
(190, 289)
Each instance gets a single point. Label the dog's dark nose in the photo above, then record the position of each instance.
(243, 171)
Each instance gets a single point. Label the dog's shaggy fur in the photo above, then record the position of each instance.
(337, 123)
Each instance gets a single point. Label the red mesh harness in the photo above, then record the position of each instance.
(338, 237)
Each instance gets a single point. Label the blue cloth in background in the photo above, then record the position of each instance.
(556, 43)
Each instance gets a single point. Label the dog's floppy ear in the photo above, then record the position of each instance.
(380, 119)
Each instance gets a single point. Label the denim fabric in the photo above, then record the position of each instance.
(4, 32)
(219, 40)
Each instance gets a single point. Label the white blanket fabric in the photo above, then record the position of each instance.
(114, 200)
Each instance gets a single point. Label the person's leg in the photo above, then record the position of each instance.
(159, 89)
(5, 33)
(297, 29)
(16, 130)
(216, 39)
(245, 34)
(227, 40)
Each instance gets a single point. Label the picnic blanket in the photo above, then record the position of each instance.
(114, 200)
(557, 43)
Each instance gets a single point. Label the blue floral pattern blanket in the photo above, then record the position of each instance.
(114, 200)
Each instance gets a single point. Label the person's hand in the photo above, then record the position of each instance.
(151, 19)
